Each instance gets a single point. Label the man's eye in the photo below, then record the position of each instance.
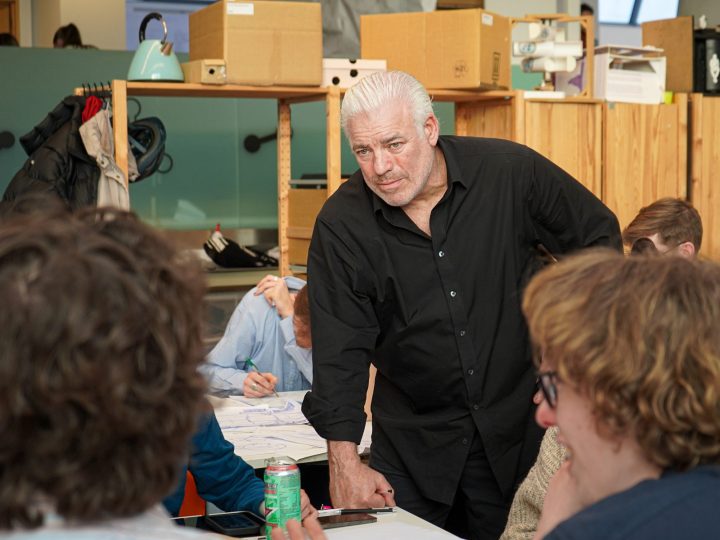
(362, 152)
(395, 145)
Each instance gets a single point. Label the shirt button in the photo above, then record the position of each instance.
(471, 371)
(453, 294)
(475, 406)
(462, 333)
(464, 441)
(441, 253)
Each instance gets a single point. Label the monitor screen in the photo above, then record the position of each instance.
(615, 11)
(653, 10)
(635, 11)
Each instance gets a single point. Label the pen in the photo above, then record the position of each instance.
(249, 362)
(346, 511)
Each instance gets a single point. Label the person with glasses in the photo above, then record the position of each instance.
(630, 376)
(667, 226)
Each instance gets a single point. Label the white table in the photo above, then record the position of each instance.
(399, 525)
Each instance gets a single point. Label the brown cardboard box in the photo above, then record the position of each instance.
(206, 71)
(675, 36)
(465, 48)
(263, 43)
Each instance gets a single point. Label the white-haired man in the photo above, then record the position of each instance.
(417, 265)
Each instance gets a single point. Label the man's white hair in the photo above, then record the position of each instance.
(378, 89)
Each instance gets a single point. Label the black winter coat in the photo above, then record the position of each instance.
(58, 163)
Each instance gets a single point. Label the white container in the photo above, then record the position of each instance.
(629, 74)
(345, 72)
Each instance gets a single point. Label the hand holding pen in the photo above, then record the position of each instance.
(257, 384)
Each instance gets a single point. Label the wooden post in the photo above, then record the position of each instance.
(284, 176)
(334, 138)
(120, 125)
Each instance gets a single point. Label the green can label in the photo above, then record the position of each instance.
(282, 493)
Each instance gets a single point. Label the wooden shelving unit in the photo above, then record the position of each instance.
(628, 155)
(285, 97)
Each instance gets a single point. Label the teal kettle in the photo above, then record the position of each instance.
(154, 59)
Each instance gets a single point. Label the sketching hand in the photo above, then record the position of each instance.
(312, 530)
(277, 294)
(257, 385)
(307, 509)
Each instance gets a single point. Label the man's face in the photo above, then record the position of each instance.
(395, 159)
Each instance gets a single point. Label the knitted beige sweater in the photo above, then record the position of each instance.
(528, 501)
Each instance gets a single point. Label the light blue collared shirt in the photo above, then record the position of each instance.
(256, 331)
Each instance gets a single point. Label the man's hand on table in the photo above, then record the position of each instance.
(353, 484)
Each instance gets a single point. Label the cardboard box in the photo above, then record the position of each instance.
(629, 74)
(465, 48)
(205, 71)
(345, 72)
(675, 37)
(262, 43)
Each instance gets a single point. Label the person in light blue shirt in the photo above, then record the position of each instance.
(269, 330)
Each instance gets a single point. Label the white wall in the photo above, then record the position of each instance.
(619, 34)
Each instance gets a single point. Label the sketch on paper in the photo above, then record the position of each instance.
(237, 416)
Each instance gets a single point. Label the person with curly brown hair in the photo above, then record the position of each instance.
(631, 377)
(100, 341)
(667, 226)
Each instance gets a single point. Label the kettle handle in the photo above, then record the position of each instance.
(147, 19)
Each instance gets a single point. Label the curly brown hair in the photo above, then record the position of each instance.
(100, 340)
(640, 338)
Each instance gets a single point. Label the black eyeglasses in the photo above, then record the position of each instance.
(547, 380)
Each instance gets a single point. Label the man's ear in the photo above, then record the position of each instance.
(687, 250)
(432, 129)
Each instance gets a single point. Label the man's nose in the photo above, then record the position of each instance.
(382, 164)
(545, 414)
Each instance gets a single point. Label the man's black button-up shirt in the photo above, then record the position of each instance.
(439, 315)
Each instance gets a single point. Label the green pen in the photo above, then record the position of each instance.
(251, 364)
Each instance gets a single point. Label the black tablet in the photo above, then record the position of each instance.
(235, 523)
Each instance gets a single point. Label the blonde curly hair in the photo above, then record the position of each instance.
(640, 338)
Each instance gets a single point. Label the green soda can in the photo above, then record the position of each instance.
(282, 493)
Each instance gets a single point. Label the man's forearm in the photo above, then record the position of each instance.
(341, 455)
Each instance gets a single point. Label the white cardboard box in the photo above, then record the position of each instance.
(629, 74)
(345, 72)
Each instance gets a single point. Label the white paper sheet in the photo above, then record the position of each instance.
(270, 427)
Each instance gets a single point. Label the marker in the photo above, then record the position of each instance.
(346, 511)
(252, 365)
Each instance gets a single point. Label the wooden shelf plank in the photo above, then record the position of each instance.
(470, 95)
(166, 89)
